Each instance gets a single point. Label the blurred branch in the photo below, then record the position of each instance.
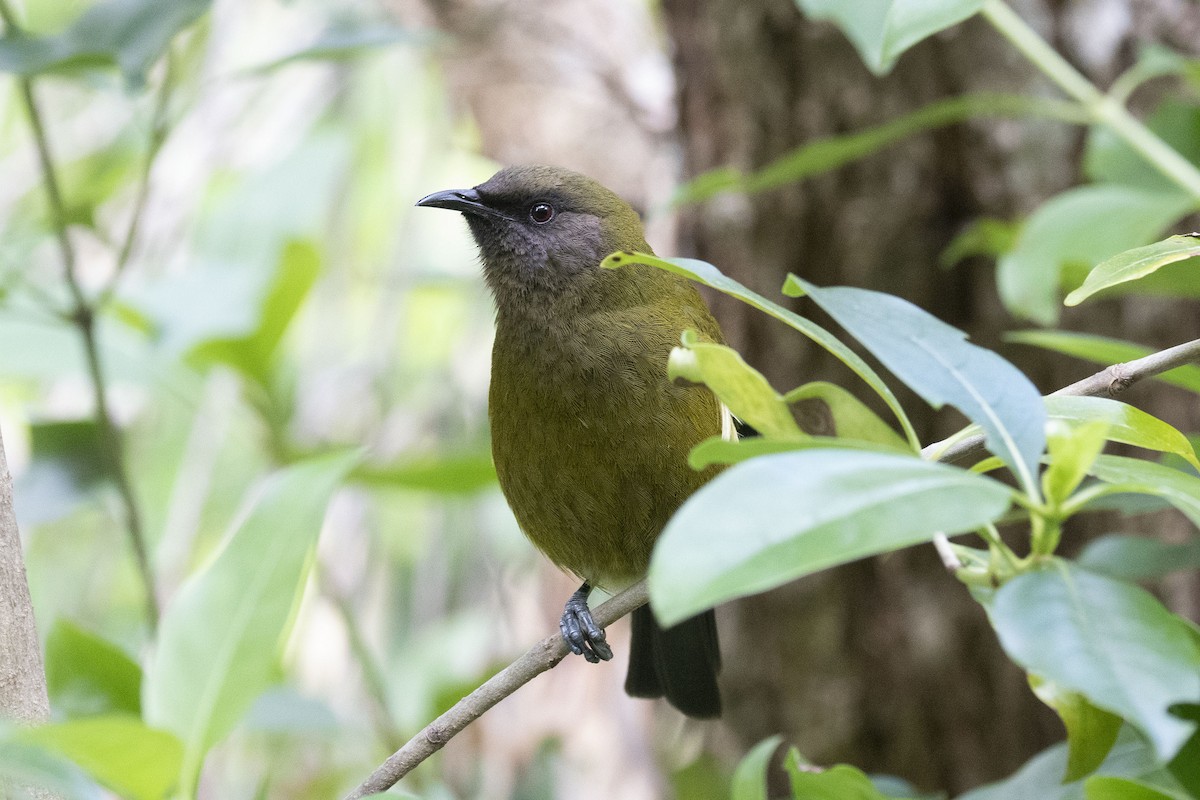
(543, 656)
(1108, 382)
(83, 316)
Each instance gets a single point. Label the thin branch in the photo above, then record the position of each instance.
(1108, 382)
(538, 659)
(83, 316)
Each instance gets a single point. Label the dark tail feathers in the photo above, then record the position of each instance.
(680, 663)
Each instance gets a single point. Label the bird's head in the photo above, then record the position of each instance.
(542, 229)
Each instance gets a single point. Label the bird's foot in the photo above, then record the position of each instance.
(582, 634)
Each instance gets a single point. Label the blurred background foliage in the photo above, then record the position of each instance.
(239, 180)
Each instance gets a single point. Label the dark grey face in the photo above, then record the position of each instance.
(541, 227)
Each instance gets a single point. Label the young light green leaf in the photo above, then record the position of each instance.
(1085, 225)
(1111, 641)
(449, 473)
(881, 30)
(1126, 424)
(129, 34)
(776, 518)
(708, 275)
(220, 637)
(1106, 787)
(717, 450)
(939, 364)
(1134, 264)
(851, 418)
(1138, 558)
(1072, 449)
(119, 751)
(1091, 731)
(839, 782)
(1104, 350)
(1146, 477)
(739, 386)
(750, 778)
(87, 675)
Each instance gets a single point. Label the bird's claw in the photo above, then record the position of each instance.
(582, 634)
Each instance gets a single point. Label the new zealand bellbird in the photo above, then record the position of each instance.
(589, 437)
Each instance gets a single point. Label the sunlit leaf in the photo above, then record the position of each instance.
(1136, 475)
(717, 450)
(937, 362)
(1126, 424)
(119, 751)
(1071, 450)
(87, 675)
(1086, 225)
(1104, 787)
(881, 30)
(1111, 641)
(775, 518)
(220, 637)
(1135, 264)
(851, 417)
(708, 275)
(838, 782)
(462, 473)
(1104, 350)
(128, 34)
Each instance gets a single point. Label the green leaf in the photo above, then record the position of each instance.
(1126, 424)
(25, 765)
(1103, 787)
(454, 473)
(881, 30)
(1138, 558)
(127, 34)
(119, 751)
(717, 450)
(254, 355)
(1135, 475)
(776, 518)
(342, 41)
(1084, 225)
(1091, 731)
(1108, 640)
(1108, 158)
(750, 778)
(839, 782)
(827, 153)
(983, 237)
(1071, 449)
(1135, 264)
(220, 637)
(87, 675)
(937, 362)
(735, 383)
(1104, 350)
(851, 418)
(708, 275)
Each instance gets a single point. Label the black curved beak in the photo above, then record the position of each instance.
(467, 201)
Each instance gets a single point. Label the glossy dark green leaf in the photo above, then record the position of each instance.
(1139, 558)
(750, 778)
(220, 636)
(1104, 350)
(87, 675)
(708, 275)
(1135, 264)
(937, 362)
(1111, 641)
(1083, 225)
(127, 34)
(1185, 767)
(119, 751)
(775, 518)
(881, 30)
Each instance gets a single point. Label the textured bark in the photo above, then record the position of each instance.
(22, 680)
(887, 664)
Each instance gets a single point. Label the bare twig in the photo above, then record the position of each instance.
(83, 316)
(1108, 382)
(541, 657)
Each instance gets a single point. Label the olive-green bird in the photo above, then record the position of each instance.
(589, 436)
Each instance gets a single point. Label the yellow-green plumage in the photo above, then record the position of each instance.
(589, 437)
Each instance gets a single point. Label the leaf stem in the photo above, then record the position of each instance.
(1105, 110)
(83, 317)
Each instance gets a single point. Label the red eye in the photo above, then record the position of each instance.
(541, 213)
